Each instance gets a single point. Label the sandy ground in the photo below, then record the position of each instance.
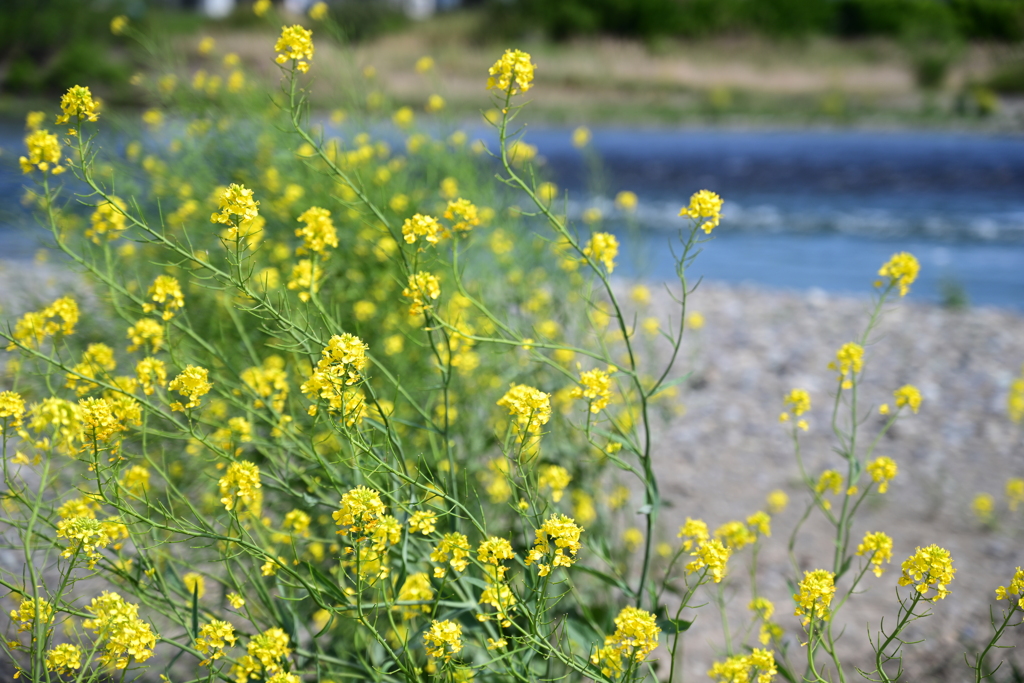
(720, 460)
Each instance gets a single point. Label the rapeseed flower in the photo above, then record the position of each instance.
(146, 332)
(596, 389)
(530, 407)
(902, 270)
(64, 658)
(1014, 486)
(240, 488)
(43, 153)
(713, 555)
(443, 639)
(127, 638)
(849, 361)
(422, 288)
(554, 477)
(635, 637)
(814, 595)
(453, 549)
(236, 206)
(213, 638)
(165, 293)
(706, 208)
(561, 531)
(463, 213)
(423, 521)
(882, 469)
(415, 588)
(421, 226)
(512, 73)
(758, 666)
(295, 43)
(1016, 588)
(29, 611)
(319, 11)
(192, 383)
(108, 220)
(78, 102)
(909, 396)
(877, 547)
(150, 373)
(695, 531)
(319, 232)
(1015, 399)
(12, 409)
(927, 568)
(603, 247)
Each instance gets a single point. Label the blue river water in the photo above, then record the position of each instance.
(803, 208)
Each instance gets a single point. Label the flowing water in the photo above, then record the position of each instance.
(803, 209)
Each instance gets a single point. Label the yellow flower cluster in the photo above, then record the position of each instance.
(849, 361)
(319, 232)
(453, 549)
(423, 521)
(305, 277)
(711, 554)
(908, 395)
(103, 419)
(97, 360)
(927, 568)
(814, 595)
(235, 200)
(416, 588)
(240, 488)
(530, 407)
(135, 479)
(1014, 492)
(165, 293)
(35, 326)
(764, 609)
(877, 547)
(78, 102)
(565, 535)
(704, 205)
(150, 373)
(597, 389)
(337, 371)
(295, 43)
(64, 658)
(193, 383)
(359, 512)
(554, 477)
(902, 270)
(443, 639)
(108, 220)
(497, 594)
(422, 287)
(421, 226)
(1015, 399)
(603, 247)
(635, 637)
(146, 332)
(43, 153)
(695, 531)
(512, 73)
(128, 638)
(882, 470)
(463, 214)
(29, 610)
(265, 652)
(1016, 587)
(735, 535)
(758, 666)
(797, 402)
(12, 409)
(213, 638)
(269, 382)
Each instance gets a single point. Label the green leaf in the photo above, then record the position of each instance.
(674, 625)
(195, 611)
(607, 578)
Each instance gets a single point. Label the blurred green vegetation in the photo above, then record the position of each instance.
(1001, 20)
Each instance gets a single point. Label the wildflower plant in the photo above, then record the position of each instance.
(324, 444)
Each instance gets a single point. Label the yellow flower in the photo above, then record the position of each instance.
(712, 554)
(1015, 399)
(849, 361)
(464, 215)
(136, 479)
(927, 568)
(735, 534)
(236, 200)
(443, 639)
(63, 658)
(581, 137)
(150, 372)
(319, 232)
(125, 636)
(194, 584)
(240, 488)
(213, 638)
(435, 103)
(883, 470)
(695, 531)
(43, 153)
(29, 611)
(626, 201)
(815, 594)
(359, 512)
(798, 401)
(236, 600)
(565, 534)
(1014, 487)
(205, 46)
(603, 247)
(554, 477)
(422, 288)
(260, 7)
(983, 506)
(403, 117)
(165, 292)
(760, 523)
(635, 637)
(596, 389)
(108, 220)
(78, 102)
(877, 547)
(530, 407)
(423, 521)
(758, 666)
(902, 270)
(295, 43)
(305, 276)
(12, 408)
(908, 395)
(704, 205)
(415, 588)
(1016, 587)
(512, 73)
(777, 501)
(424, 64)
(454, 549)
(193, 383)
(319, 11)
(267, 649)
(146, 332)
(423, 226)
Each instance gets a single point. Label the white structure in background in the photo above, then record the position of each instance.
(415, 9)
(420, 9)
(218, 9)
